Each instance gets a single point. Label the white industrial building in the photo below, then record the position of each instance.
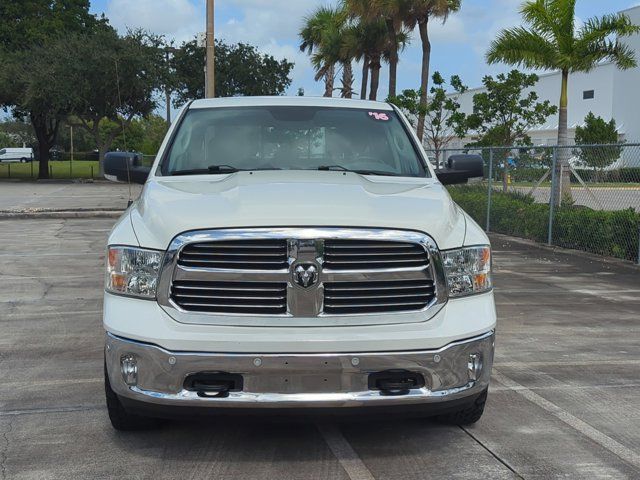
(605, 91)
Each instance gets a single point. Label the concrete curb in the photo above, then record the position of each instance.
(59, 214)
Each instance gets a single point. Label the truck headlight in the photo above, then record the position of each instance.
(133, 271)
(468, 270)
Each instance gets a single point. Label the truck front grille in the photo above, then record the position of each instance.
(377, 296)
(236, 255)
(373, 254)
(302, 275)
(259, 298)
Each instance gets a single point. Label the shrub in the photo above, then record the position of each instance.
(612, 233)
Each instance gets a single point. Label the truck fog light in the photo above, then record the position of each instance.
(474, 366)
(129, 369)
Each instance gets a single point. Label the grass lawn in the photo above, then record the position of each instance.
(57, 169)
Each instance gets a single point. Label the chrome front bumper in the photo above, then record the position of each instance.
(300, 380)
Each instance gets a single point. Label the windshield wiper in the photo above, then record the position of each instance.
(212, 169)
(223, 169)
(360, 172)
(382, 173)
(333, 167)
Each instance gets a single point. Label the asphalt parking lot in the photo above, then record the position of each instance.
(564, 400)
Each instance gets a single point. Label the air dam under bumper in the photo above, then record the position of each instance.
(455, 371)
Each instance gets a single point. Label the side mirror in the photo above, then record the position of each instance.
(125, 167)
(460, 168)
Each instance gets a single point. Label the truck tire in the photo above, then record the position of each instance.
(23, 160)
(120, 419)
(471, 413)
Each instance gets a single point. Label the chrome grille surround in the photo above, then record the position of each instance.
(305, 306)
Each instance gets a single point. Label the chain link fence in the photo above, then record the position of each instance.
(61, 166)
(584, 197)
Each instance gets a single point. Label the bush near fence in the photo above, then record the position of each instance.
(612, 233)
(532, 175)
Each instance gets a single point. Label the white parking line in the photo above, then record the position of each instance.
(38, 277)
(568, 363)
(49, 254)
(587, 430)
(45, 313)
(49, 410)
(344, 452)
(51, 383)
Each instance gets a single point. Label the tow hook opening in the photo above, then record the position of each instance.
(213, 384)
(395, 382)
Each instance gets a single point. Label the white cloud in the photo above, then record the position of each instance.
(262, 22)
(176, 19)
(453, 31)
(273, 26)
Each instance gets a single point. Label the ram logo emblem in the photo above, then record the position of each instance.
(305, 275)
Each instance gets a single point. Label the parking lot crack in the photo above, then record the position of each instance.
(491, 452)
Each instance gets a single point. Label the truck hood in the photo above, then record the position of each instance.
(169, 206)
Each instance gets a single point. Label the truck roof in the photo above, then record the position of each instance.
(290, 102)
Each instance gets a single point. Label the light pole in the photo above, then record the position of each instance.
(210, 90)
(71, 138)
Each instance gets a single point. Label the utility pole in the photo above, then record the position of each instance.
(210, 91)
(167, 93)
(168, 50)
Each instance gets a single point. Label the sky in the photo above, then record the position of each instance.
(458, 46)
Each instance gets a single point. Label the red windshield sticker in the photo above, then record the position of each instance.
(381, 116)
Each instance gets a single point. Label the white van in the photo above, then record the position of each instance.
(8, 155)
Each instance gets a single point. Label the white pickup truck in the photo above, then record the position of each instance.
(297, 254)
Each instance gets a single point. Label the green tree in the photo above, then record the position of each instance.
(154, 130)
(241, 70)
(551, 41)
(420, 13)
(444, 120)
(116, 80)
(7, 140)
(83, 142)
(504, 113)
(598, 131)
(122, 135)
(28, 82)
(40, 94)
(26, 23)
(20, 131)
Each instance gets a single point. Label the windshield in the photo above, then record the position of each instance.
(221, 140)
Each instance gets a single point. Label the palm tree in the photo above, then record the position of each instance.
(366, 41)
(420, 12)
(332, 51)
(394, 13)
(552, 42)
(317, 35)
(323, 36)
